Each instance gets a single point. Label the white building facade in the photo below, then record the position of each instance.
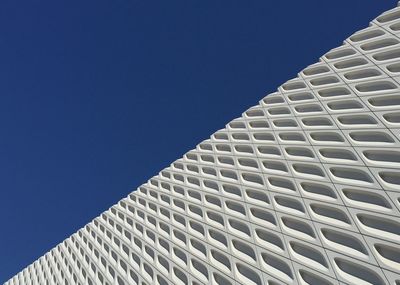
(303, 188)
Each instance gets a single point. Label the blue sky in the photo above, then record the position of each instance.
(98, 96)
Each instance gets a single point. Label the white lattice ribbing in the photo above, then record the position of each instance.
(304, 188)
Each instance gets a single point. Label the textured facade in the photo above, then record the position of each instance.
(304, 188)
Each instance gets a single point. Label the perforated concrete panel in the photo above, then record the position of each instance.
(304, 188)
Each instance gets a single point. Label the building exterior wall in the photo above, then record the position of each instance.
(303, 188)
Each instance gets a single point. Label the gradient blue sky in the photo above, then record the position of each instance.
(98, 96)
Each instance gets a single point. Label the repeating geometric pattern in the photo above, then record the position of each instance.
(304, 188)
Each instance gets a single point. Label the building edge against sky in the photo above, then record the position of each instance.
(304, 188)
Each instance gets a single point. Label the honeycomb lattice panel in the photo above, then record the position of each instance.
(304, 188)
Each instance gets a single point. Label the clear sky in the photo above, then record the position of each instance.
(98, 96)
